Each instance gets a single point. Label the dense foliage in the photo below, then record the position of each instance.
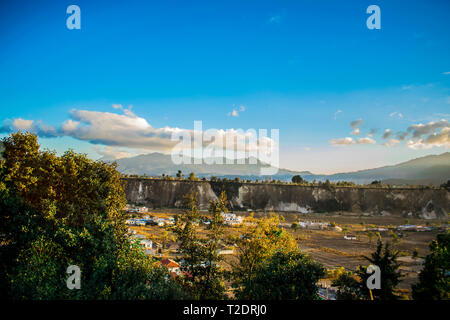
(434, 279)
(354, 287)
(271, 267)
(289, 275)
(57, 211)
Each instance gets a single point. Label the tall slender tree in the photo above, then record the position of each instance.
(203, 276)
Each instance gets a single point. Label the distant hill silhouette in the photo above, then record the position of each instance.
(157, 163)
(433, 169)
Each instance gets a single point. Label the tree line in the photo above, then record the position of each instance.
(295, 180)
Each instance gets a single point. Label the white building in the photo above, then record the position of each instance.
(148, 244)
(139, 223)
(226, 251)
(313, 225)
(231, 219)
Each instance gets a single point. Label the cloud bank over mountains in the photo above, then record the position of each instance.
(112, 132)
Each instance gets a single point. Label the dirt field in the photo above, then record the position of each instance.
(329, 247)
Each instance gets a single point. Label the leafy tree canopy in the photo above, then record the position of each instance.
(434, 279)
(57, 211)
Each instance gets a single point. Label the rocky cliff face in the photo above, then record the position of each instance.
(425, 203)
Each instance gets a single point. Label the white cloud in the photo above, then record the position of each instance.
(134, 133)
(435, 139)
(37, 127)
(69, 125)
(391, 143)
(111, 129)
(396, 113)
(421, 129)
(342, 141)
(355, 132)
(22, 124)
(111, 153)
(349, 141)
(365, 141)
(422, 136)
(447, 72)
(235, 112)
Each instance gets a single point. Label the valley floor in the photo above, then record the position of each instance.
(329, 246)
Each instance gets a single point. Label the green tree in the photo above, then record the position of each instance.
(349, 288)
(192, 176)
(213, 285)
(256, 245)
(71, 187)
(61, 211)
(355, 287)
(386, 259)
(203, 276)
(297, 179)
(434, 279)
(288, 275)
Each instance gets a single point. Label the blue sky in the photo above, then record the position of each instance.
(307, 68)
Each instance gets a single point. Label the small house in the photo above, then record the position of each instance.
(172, 265)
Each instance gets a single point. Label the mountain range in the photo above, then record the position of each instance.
(434, 169)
